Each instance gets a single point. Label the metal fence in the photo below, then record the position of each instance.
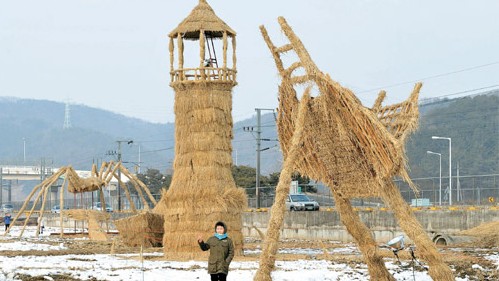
(467, 190)
(86, 201)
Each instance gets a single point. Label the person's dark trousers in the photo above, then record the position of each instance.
(218, 277)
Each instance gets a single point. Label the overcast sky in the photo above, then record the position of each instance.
(113, 54)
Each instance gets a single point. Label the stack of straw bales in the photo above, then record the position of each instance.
(145, 229)
(203, 190)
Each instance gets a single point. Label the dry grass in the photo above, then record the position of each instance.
(487, 234)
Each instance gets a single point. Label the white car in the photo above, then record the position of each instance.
(7, 208)
(56, 209)
(98, 206)
(301, 202)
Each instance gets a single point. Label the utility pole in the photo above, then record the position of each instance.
(119, 171)
(258, 150)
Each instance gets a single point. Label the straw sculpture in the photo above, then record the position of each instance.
(75, 184)
(354, 150)
(95, 219)
(203, 190)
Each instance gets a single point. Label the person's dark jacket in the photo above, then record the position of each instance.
(221, 254)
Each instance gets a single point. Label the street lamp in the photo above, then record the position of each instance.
(450, 164)
(119, 170)
(440, 177)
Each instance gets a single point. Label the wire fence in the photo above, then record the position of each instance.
(467, 190)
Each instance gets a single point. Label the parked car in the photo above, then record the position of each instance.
(98, 206)
(7, 208)
(57, 209)
(301, 202)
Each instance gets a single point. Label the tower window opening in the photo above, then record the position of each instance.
(211, 61)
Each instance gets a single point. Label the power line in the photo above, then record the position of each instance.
(429, 77)
(458, 93)
(157, 150)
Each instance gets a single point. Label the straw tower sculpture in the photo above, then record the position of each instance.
(355, 150)
(203, 190)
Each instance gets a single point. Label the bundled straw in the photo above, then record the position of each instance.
(145, 229)
(203, 190)
(355, 150)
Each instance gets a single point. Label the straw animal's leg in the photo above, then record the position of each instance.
(267, 258)
(411, 226)
(362, 235)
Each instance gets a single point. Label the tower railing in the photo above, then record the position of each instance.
(205, 73)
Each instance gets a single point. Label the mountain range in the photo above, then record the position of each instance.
(32, 130)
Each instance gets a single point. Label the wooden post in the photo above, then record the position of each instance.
(61, 205)
(202, 54)
(234, 59)
(171, 49)
(180, 56)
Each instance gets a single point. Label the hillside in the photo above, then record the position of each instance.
(472, 123)
(92, 137)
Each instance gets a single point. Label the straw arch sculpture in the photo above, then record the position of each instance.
(353, 149)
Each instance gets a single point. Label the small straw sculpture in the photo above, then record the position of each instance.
(94, 219)
(355, 150)
(203, 190)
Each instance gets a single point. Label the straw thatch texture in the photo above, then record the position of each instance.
(353, 149)
(145, 229)
(202, 17)
(95, 230)
(203, 190)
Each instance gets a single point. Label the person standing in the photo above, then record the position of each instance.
(6, 220)
(41, 224)
(221, 252)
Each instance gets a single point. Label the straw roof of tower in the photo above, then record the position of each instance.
(202, 17)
